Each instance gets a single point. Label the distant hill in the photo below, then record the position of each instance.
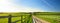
(47, 13)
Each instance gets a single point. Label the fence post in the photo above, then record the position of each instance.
(21, 18)
(31, 14)
(9, 19)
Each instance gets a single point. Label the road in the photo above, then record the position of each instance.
(37, 20)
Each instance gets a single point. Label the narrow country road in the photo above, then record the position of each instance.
(37, 20)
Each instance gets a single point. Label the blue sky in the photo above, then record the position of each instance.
(46, 5)
(31, 5)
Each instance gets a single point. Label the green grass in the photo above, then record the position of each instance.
(50, 18)
(4, 14)
(4, 20)
(16, 18)
(53, 17)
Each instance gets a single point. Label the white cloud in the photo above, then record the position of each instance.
(6, 6)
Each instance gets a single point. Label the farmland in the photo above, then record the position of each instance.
(53, 17)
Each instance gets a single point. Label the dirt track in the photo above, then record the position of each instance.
(37, 20)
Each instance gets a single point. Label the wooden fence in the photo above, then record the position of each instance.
(10, 17)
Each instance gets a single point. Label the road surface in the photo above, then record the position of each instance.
(37, 20)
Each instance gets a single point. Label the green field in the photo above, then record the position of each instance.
(50, 17)
(53, 17)
(26, 18)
